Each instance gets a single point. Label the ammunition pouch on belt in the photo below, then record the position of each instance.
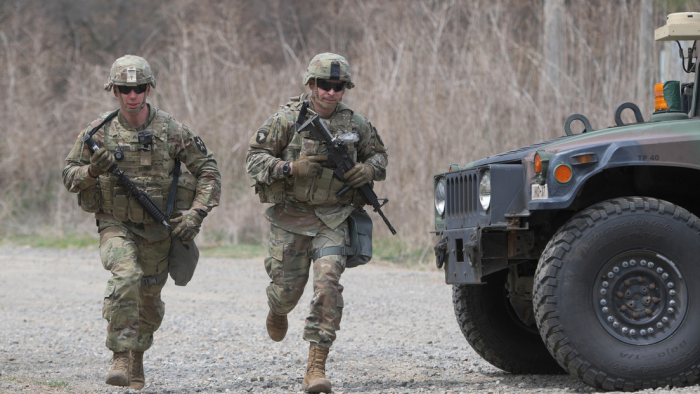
(111, 198)
(272, 193)
(360, 250)
(89, 199)
(321, 190)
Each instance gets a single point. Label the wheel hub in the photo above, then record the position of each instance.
(640, 297)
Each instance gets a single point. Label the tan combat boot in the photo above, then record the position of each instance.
(119, 374)
(136, 377)
(276, 326)
(315, 379)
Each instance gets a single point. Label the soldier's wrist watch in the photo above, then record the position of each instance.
(286, 170)
(201, 212)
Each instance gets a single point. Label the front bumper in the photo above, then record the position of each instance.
(475, 242)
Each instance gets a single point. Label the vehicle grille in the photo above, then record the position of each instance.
(462, 195)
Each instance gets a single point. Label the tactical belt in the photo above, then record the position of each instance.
(332, 250)
(154, 279)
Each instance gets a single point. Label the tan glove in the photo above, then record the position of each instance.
(359, 175)
(307, 166)
(100, 162)
(188, 227)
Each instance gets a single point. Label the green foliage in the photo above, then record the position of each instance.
(52, 383)
(67, 242)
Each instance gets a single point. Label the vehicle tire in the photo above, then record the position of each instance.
(616, 295)
(495, 332)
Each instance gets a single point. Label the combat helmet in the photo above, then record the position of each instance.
(329, 66)
(130, 70)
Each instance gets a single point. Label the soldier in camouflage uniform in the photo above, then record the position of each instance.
(307, 217)
(133, 246)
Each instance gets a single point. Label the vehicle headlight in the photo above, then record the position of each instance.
(440, 196)
(485, 190)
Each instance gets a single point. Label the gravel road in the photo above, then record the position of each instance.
(399, 334)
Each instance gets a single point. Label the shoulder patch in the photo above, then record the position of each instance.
(200, 144)
(261, 136)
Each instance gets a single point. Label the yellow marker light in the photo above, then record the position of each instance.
(659, 100)
(562, 173)
(538, 163)
(583, 159)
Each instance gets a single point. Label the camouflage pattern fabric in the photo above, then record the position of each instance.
(321, 65)
(288, 266)
(131, 244)
(277, 142)
(304, 221)
(130, 70)
(134, 311)
(172, 140)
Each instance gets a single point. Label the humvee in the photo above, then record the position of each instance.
(582, 254)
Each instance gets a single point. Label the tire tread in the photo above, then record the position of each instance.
(545, 301)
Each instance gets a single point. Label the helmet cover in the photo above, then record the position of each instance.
(331, 67)
(130, 70)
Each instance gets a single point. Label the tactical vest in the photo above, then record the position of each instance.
(319, 190)
(150, 168)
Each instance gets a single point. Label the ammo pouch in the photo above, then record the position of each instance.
(272, 193)
(89, 199)
(182, 262)
(360, 250)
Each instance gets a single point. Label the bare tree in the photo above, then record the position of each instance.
(645, 78)
(553, 50)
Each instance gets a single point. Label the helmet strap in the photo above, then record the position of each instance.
(317, 98)
(131, 110)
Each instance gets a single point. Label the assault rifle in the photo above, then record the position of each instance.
(139, 195)
(341, 162)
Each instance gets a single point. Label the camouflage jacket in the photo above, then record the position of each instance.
(277, 142)
(171, 140)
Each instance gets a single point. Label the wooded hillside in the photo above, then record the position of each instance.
(444, 81)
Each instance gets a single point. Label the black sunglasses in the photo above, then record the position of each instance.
(127, 89)
(327, 86)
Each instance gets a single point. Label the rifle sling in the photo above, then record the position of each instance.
(107, 119)
(302, 115)
(173, 189)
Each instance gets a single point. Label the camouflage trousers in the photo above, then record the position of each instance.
(133, 310)
(288, 266)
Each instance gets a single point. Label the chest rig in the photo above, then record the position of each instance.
(322, 189)
(144, 158)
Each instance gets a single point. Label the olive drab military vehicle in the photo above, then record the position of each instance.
(582, 254)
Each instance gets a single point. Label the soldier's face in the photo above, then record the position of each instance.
(132, 100)
(325, 98)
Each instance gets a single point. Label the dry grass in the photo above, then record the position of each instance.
(443, 81)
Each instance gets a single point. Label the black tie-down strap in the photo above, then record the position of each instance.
(332, 250)
(154, 279)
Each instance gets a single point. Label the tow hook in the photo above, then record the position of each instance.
(471, 251)
(440, 252)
